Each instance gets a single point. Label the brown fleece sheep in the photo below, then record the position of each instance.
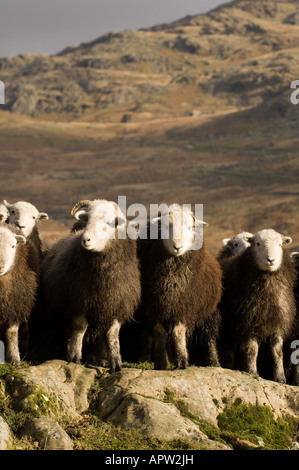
(291, 349)
(181, 288)
(89, 281)
(18, 288)
(258, 304)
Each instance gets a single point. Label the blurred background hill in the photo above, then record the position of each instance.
(194, 111)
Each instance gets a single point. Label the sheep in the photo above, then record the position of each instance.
(18, 288)
(234, 246)
(25, 216)
(4, 213)
(91, 279)
(258, 303)
(293, 368)
(181, 288)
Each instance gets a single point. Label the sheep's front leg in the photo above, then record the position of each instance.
(75, 341)
(12, 353)
(212, 353)
(276, 345)
(160, 344)
(113, 347)
(250, 348)
(180, 348)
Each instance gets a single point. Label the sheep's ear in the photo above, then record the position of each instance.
(6, 204)
(42, 216)
(295, 255)
(155, 219)
(225, 241)
(286, 240)
(200, 222)
(20, 239)
(249, 240)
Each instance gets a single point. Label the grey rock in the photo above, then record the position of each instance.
(48, 434)
(5, 435)
(66, 385)
(154, 418)
(206, 390)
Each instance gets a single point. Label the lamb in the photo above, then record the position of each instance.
(91, 280)
(234, 246)
(25, 216)
(181, 288)
(18, 288)
(4, 213)
(258, 302)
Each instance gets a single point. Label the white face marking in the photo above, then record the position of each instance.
(103, 218)
(4, 213)
(267, 248)
(24, 216)
(8, 247)
(239, 243)
(181, 232)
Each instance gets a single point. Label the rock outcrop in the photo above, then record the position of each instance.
(167, 405)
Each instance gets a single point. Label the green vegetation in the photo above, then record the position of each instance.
(244, 425)
(94, 434)
(258, 425)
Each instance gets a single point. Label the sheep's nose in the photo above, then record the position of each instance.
(177, 247)
(271, 260)
(86, 241)
(20, 226)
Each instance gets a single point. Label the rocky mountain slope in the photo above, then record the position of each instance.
(239, 55)
(196, 111)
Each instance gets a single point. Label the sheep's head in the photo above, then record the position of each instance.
(295, 257)
(104, 222)
(179, 223)
(4, 213)
(267, 246)
(8, 248)
(24, 216)
(238, 243)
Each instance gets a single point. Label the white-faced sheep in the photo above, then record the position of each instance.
(181, 288)
(258, 304)
(4, 213)
(25, 216)
(234, 246)
(91, 279)
(18, 288)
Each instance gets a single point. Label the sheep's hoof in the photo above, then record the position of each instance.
(74, 359)
(280, 380)
(182, 366)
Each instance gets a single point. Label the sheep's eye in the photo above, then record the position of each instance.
(13, 246)
(12, 212)
(257, 243)
(34, 217)
(236, 244)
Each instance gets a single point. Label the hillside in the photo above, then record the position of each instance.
(196, 111)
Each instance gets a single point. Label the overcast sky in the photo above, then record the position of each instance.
(48, 26)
